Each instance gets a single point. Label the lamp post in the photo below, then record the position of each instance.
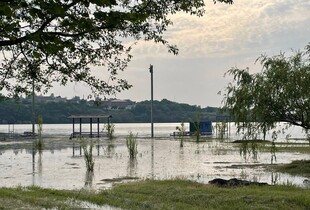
(152, 124)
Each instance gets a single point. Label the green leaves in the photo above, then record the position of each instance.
(57, 41)
(279, 93)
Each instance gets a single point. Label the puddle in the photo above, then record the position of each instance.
(61, 164)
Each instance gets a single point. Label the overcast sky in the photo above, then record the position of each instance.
(227, 36)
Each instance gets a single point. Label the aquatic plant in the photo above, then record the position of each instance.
(88, 154)
(131, 142)
(89, 176)
(273, 148)
(110, 127)
(39, 143)
(197, 127)
(221, 128)
(181, 133)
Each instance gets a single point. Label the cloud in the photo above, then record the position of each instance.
(227, 36)
(242, 28)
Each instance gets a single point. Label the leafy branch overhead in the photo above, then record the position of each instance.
(279, 93)
(58, 41)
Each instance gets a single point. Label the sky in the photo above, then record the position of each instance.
(226, 36)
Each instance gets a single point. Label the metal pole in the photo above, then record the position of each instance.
(152, 124)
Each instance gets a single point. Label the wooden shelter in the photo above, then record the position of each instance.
(91, 119)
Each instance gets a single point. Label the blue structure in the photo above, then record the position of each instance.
(204, 127)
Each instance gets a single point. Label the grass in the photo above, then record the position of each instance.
(293, 148)
(88, 154)
(267, 146)
(297, 167)
(181, 132)
(131, 142)
(168, 194)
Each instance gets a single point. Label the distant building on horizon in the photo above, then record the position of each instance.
(116, 104)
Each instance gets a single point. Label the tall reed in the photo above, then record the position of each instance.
(131, 142)
(110, 127)
(39, 143)
(181, 133)
(221, 128)
(88, 154)
(197, 127)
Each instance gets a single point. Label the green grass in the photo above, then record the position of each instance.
(265, 146)
(297, 167)
(168, 194)
(293, 148)
(132, 145)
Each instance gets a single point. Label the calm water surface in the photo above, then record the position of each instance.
(61, 164)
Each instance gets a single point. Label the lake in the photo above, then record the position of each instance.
(61, 164)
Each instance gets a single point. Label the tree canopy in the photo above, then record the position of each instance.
(279, 93)
(46, 41)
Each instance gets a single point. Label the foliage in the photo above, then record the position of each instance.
(160, 194)
(39, 143)
(181, 133)
(132, 144)
(297, 167)
(12, 111)
(58, 41)
(197, 126)
(88, 154)
(110, 127)
(279, 93)
(221, 129)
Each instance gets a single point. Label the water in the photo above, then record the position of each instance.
(61, 164)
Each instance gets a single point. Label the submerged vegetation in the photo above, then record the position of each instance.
(197, 126)
(110, 127)
(181, 132)
(39, 143)
(132, 145)
(297, 167)
(88, 154)
(154, 194)
(221, 129)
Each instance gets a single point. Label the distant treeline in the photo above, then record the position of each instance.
(20, 111)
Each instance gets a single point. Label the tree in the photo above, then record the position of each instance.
(46, 41)
(279, 93)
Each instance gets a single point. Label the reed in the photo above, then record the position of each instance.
(39, 143)
(181, 133)
(221, 128)
(88, 154)
(197, 127)
(110, 127)
(132, 145)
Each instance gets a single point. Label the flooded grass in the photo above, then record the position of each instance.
(88, 154)
(297, 167)
(62, 166)
(132, 145)
(155, 194)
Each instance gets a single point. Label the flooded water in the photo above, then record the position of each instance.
(61, 164)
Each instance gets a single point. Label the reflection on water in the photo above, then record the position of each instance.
(89, 176)
(132, 167)
(61, 164)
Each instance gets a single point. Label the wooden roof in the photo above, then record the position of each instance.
(89, 116)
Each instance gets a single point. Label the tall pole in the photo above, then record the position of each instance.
(152, 124)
